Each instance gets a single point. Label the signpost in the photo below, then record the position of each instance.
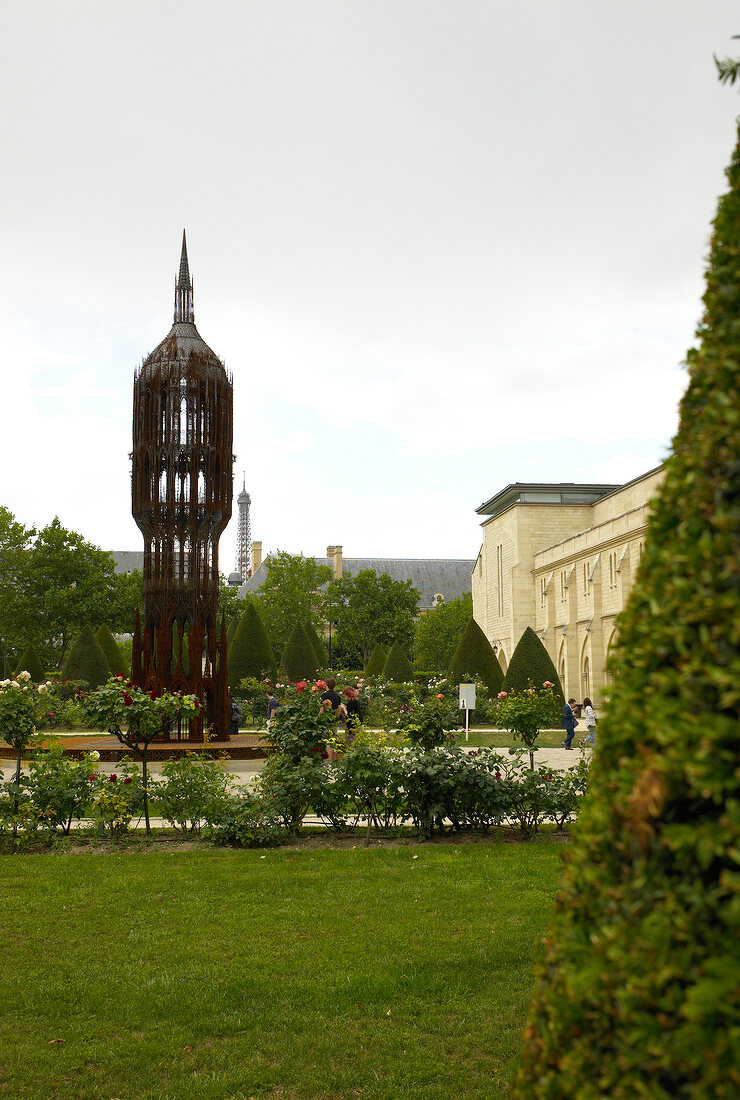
(467, 703)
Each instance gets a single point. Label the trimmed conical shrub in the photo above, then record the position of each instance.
(110, 648)
(233, 627)
(376, 661)
(638, 991)
(250, 652)
(86, 661)
(318, 645)
(530, 661)
(397, 666)
(474, 656)
(299, 658)
(30, 663)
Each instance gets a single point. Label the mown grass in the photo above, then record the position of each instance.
(381, 973)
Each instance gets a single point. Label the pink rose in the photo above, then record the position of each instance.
(440, 696)
(502, 694)
(547, 684)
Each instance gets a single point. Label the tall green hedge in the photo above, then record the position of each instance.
(86, 661)
(299, 658)
(376, 661)
(250, 652)
(474, 656)
(110, 648)
(531, 661)
(397, 666)
(639, 991)
(30, 663)
(318, 645)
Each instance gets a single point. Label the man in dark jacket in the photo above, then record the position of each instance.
(569, 723)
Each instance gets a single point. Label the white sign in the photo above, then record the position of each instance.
(467, 696)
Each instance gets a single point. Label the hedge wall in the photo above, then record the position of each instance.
(639, 991)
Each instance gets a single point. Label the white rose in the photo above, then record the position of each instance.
(23, 675)
(42, 689)
(14, 684)
(4, 683)
(94, 755)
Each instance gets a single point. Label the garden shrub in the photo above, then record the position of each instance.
(86, 661)
(318, 646)
(113, 655)
(474, 656)
(639, 990)
(397, 667)
(194, 789)
(376, 661)
(531, 664)
(60, 787)
(30, 663)
(250, 652)
(245, 820)
(299, 659)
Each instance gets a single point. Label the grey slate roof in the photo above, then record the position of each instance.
(450, 577)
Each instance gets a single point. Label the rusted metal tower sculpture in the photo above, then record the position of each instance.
(181, 488)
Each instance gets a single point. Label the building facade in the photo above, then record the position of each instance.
(561, 558)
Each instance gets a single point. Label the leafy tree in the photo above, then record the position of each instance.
(299, 657)
(638, 990)
(474, 656)
(291, 594)
(69, 583)
(438, 632)
(531, 664)
(250, 652)
(127, 597)
(376, 661)
(397, 666)
(229, 602)
(86, 661)
(15, 549)
(113, 655)
(369, 608)
(30, 663)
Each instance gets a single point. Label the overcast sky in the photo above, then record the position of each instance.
(442, 245)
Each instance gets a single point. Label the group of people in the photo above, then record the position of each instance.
(345, 709)
(569, 722)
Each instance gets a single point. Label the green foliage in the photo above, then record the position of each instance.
(474, 656)
(317, 644)
(291, 594)
(638, 990)
(368, 609)
(397, 666)
(376, 661)
(525, 713)
(246, 820)
(113, 655)
(30, 663)
(230, 604)
(195, 789)
(250, 652)
(299, 660)
(116, 798)
(428, 725)
(438, 633)
(531, 664)
(60, 787)
(86, 661)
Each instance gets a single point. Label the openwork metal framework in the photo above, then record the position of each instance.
(244, 534)
(181, 489)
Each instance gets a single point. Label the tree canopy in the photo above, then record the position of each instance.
(437, 633)
(291, 594)
(368, 609)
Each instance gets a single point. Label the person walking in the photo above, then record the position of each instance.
(590, 714)
(235, 716)
(272, 704)
(569, 723)
(353, 712)
(333, 696)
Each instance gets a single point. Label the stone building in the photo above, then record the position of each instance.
(561, 558)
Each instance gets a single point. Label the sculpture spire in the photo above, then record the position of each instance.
(184, 288)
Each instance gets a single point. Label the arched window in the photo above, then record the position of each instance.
(586, 678)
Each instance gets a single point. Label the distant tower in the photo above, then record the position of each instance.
(244, 534)
(181, 487)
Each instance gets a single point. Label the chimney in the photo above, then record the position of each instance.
(337, 562)
(256, 556)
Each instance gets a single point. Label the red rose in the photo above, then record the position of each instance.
(152, 695)
(91, 778)
(497, 774)
(127, 779)
(127, 699)
(112, 778)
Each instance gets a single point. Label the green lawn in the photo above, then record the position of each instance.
(383, 973)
